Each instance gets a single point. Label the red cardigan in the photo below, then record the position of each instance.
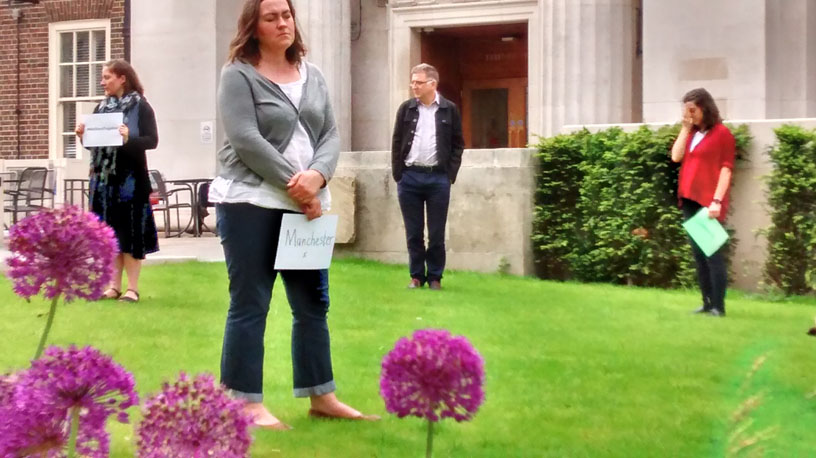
(700, 169)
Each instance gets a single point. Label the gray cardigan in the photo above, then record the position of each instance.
(259, 121)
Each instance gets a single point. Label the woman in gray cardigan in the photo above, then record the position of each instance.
(281, 150)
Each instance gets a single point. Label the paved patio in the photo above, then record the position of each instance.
(205, 249)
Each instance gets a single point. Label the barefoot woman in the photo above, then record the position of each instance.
(282, 148)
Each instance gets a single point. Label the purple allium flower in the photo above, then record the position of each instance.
(61, 251)
(6, 388)
(431, 375)
(33, 432)
(62, 381)
(30, 427)
(194, 418)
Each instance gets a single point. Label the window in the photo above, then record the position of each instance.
(78, 51)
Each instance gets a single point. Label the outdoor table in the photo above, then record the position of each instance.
(195, 184)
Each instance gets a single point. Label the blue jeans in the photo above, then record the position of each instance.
(416, 192)
(249, 235)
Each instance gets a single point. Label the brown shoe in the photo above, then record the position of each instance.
(415, 283)
(435, 284)
(314, 413)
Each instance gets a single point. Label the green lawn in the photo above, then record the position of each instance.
(572, 370)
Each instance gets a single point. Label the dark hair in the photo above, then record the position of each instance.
(244, 46)
(701, 98)
(121, 67)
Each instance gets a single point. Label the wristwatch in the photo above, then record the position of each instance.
(717, 201)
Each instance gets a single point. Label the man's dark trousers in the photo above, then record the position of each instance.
(418, 190)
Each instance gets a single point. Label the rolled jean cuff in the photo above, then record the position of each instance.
(248, 397)
(319, 390)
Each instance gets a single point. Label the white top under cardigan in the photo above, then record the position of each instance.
(698, 137)
(299, 152)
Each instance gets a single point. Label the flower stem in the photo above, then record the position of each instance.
(429, 443)
(47, 329)
(72, 439)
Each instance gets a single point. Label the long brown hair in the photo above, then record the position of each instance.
(244, 46)
(701, 98)
(121, 67)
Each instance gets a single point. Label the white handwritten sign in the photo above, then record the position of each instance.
(304, 244)
(102, 129)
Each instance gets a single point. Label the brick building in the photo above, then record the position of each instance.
(51, 54)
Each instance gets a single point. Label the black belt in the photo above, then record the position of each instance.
(425, 168)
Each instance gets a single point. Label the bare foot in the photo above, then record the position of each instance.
(328, 406)
(262, 418)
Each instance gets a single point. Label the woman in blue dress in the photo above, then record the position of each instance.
(119, 183)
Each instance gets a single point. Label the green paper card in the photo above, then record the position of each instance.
(707, 232)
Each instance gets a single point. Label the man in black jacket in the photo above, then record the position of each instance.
(426, 151)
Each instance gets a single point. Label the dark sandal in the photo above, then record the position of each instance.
(116, 294)
(126, 298)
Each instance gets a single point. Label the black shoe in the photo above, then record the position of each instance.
(717, 312)
(702, 309)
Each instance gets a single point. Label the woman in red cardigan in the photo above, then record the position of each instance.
(706, 149)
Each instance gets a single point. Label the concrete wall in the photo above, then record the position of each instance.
(489, 220)
(717, 45)
(748, 196)
(756, 57)
(326, 29)
(174, 50)
(811, 67)
(371, 120)
(226, 21)
(791, 58)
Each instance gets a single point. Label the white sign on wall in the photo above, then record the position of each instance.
(206, 132)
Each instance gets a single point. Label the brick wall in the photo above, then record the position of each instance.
(34, 66)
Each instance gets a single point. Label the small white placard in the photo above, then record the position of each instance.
(304, 244)
(206, 132)
(102, 129)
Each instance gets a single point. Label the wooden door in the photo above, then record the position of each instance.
(494, 113)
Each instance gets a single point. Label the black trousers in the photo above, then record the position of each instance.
(712, 273)
(418, 191)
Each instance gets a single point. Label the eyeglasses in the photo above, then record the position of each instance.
(418, 83)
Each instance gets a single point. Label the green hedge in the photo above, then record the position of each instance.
(606, 208)
(791, 263)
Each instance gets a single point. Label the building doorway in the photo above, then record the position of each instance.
(483, 69)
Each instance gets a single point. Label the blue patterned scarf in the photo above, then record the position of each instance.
(103, 158)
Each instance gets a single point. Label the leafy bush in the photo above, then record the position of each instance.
(606, 208)
(558, 183)
(791, 262)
